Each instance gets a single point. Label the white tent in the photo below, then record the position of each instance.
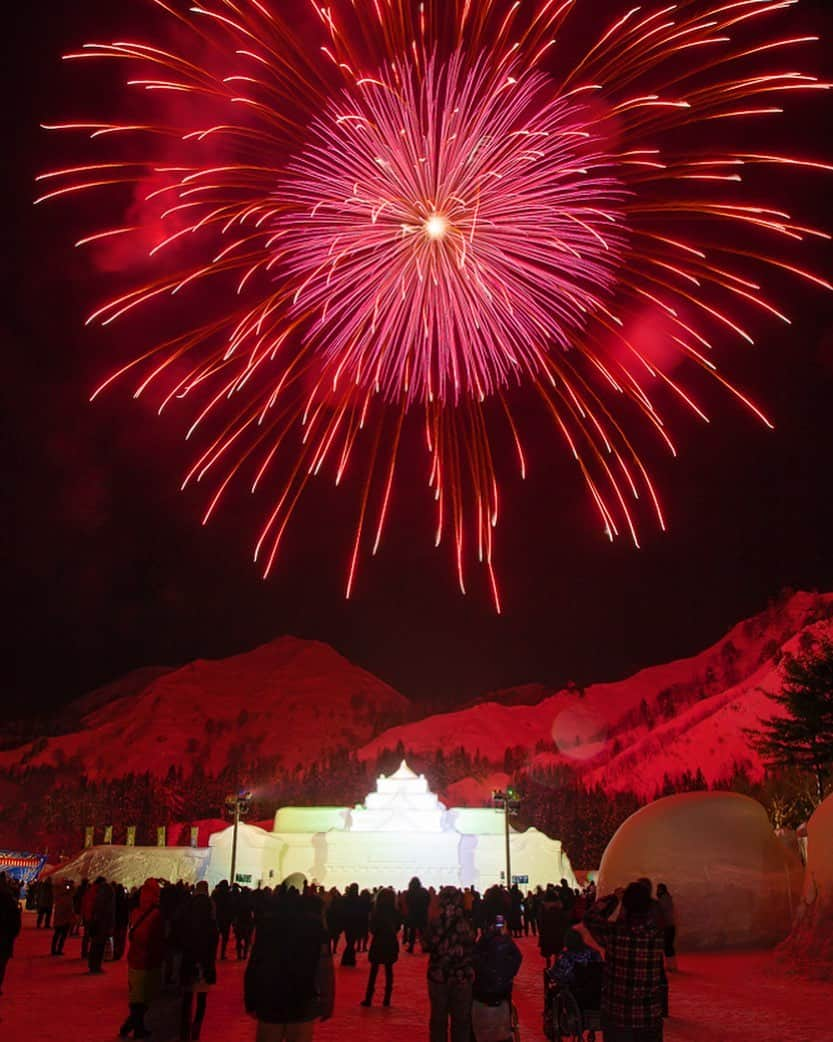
(131, 866)
(258, 860)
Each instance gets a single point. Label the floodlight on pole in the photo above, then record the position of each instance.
(238, 806)
(509, 801)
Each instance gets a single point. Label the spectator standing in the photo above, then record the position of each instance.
(100, 924)
(122, 920)
(553, 922)
(289, 981)
(632, 996)
(384, 947)
(145, 955)
(9, 924)
(352, 911)
(224, 906)
(449, 941)
(497, 960)
(530, 914)
(63, 914)
(198, 937)
(244, 922)
(77, 907)
(416, 901)
(516, 907)
(44, 900)
(87, 905)
(669, 926)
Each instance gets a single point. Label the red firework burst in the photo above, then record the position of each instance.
(439, 209)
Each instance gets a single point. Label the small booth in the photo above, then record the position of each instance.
(23, 867)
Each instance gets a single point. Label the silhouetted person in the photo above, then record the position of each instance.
(224, 906)
(289, 982)
(63, 914)
(384, 947)
(9, 924)
(497, 960)
(198, 936)
(669, 926)
(100, 924)
(44, 901)
(416, 901)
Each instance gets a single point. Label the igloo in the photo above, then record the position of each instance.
(809, 948)
(733, 882)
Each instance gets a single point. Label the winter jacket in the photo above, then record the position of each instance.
(64, 908)
(449, 941)
(497, 960)
(103, 915)
(44, 898)
(384, 925)
(666, 908)
(87, 902)
(417, 899)
(147, 931)
(9, 922)
(553, 923)
(224, 906)
(289, 978)
(197, 937)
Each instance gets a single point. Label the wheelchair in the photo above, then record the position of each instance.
(572, 1012)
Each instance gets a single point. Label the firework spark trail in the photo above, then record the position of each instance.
(416, 208)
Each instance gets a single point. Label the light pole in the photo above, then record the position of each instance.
(238, 805)
(509, 801)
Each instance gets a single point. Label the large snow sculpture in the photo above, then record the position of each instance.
(732, 880)
(809, 948)
(401, 830)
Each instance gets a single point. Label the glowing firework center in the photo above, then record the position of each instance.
(447, 228)
(403, 830)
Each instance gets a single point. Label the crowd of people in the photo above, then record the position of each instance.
(173, 935)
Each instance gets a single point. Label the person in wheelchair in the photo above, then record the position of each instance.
(573, 990)
(574, 956)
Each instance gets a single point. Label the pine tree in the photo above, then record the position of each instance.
(803, 738)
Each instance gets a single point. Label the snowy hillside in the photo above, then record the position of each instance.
(665, 720)
(292, 702)
(289, 700)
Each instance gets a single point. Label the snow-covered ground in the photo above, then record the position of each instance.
(733, 996)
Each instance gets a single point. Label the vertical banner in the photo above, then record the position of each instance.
(108, 833)
(130, 838)
(89, 835)
(195, 835)
(160, 836)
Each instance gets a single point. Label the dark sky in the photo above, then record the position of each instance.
(107, 569)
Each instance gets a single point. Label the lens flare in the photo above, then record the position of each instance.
(376, 221)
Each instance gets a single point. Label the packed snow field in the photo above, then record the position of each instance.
(731, 996)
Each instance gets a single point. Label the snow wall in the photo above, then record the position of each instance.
(733, 882)
(809, 948)
(131, 866)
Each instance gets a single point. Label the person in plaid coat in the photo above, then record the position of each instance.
(632, 992)
(449, 941)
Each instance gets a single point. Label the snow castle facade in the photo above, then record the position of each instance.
(401, 830)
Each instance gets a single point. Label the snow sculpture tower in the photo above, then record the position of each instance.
(401, 803)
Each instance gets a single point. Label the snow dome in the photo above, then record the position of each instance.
(809, 948)
(732, 880)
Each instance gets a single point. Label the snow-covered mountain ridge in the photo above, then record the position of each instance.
(292, 701)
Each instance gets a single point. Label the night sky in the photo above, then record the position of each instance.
(107, 569)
